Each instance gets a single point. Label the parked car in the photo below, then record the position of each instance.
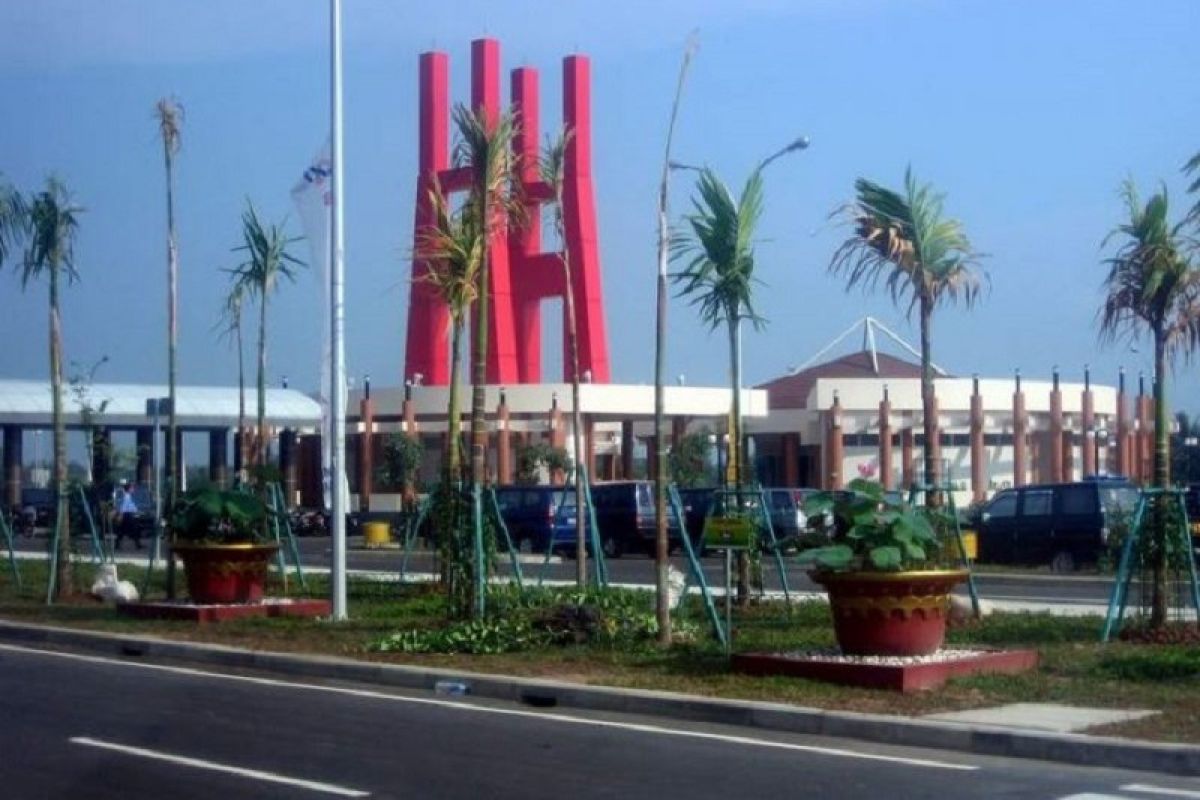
(1063, 525)
(531, 514)
(626, 519)
(1192, 500)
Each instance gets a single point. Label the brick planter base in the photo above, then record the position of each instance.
(193, 612)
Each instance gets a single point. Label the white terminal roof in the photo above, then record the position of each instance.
(28, 403)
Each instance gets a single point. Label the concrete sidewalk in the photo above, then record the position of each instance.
(982, 739)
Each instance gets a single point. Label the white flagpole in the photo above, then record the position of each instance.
(338, 372)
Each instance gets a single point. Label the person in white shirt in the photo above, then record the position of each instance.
(127, 514)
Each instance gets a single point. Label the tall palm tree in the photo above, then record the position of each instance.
(267, 262)
(719, 279)
(1153, 285)
(484, 148)
(45, 224)
(231, 316)
(551, 168)
(453, 247)
(169, 114)
(922, 257)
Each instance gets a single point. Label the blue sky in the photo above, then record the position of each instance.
(1027, 114)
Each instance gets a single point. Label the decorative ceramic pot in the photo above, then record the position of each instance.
(890, 613)
(226, 573)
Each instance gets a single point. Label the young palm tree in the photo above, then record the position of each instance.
(169, 114)
(922, 257)
(45, 224)
(1153, 285)
(267, 261)
(231, 316)
(453, 247)
(719, 279)
(552, 164)
(484, 148)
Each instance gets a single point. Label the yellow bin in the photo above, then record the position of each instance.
(376, 533)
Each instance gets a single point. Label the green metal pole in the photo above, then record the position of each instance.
(766, 518)
(1116, 601)
(51, 583)
(12, 556)
(514, 556)
(598, 559)
(697, 569)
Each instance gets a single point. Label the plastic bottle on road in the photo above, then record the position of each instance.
(451, 688)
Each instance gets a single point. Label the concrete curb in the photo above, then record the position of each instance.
(1080, 749)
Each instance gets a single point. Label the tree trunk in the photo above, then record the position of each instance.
(581, 519)
(241, 427)
(453, 413)
(173, 459)
(1162, 477)
(260, 445)
(929, 421)
(739, 454)
(63, 575)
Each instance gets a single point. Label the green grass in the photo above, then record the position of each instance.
(1075, 668)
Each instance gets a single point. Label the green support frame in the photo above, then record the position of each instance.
(6, 529)
(923, 491)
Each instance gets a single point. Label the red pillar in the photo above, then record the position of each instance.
(885, 440)
(1056, 432)
(906, 456)
(1020, 468)
(978, 453)
(525, 241)
(366, 452)
(791, 459)
(1068, 456)
(504, 453)
(1088, 423)
(836, 456)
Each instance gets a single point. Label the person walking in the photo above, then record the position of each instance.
(127, 525)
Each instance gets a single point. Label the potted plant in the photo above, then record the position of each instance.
(221, 537)
(888, 591)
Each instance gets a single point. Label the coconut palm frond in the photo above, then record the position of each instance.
(718, 248)
(169, 113)
(52, 220)
(484, 147)
(267, 259)
(452, 249)
(905, 241)
(14, 220)
(1151, 281)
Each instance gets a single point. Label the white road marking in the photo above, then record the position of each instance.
(512, 712)
(255, 774)
(1159, 790)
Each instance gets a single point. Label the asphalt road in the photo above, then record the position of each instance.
(82, 727)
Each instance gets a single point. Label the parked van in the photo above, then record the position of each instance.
(1062, 525)
(533, 515)
(625, 517)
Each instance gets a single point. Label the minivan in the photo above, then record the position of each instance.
(532, 515)
(1061, 524)
(625, 517)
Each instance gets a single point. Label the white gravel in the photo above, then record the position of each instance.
(833, 655)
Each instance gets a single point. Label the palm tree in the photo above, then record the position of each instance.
(719, 279)
(484, 149)
(169, 114)
(267, 261)
(922, 257)
(231, 315)
(552, 164)
(453, 247)
(1153, 285)
(45, 223)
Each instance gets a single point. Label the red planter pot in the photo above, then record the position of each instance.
(225, 573)
(890, 613)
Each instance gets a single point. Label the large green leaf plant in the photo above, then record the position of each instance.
(874, 532)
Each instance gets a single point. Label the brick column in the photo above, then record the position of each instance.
(589, 446)
(906, 455)
(1122, 457)
(287, 465)
(835, 454)
(1056, 431)
(1067, 465)
(504, 447)
(1088, 424)
(557, 435)
(627, 449)
(885, 440)
(366, 449)
(218, 457)
(1145, 434)
(13, 457)
(978, 452)
(791, 459)
(145, 456)
(935, 447)
(1020, 465)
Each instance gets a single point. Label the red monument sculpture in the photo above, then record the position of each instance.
(521, 275)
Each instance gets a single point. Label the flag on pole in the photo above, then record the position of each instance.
(313, 200)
